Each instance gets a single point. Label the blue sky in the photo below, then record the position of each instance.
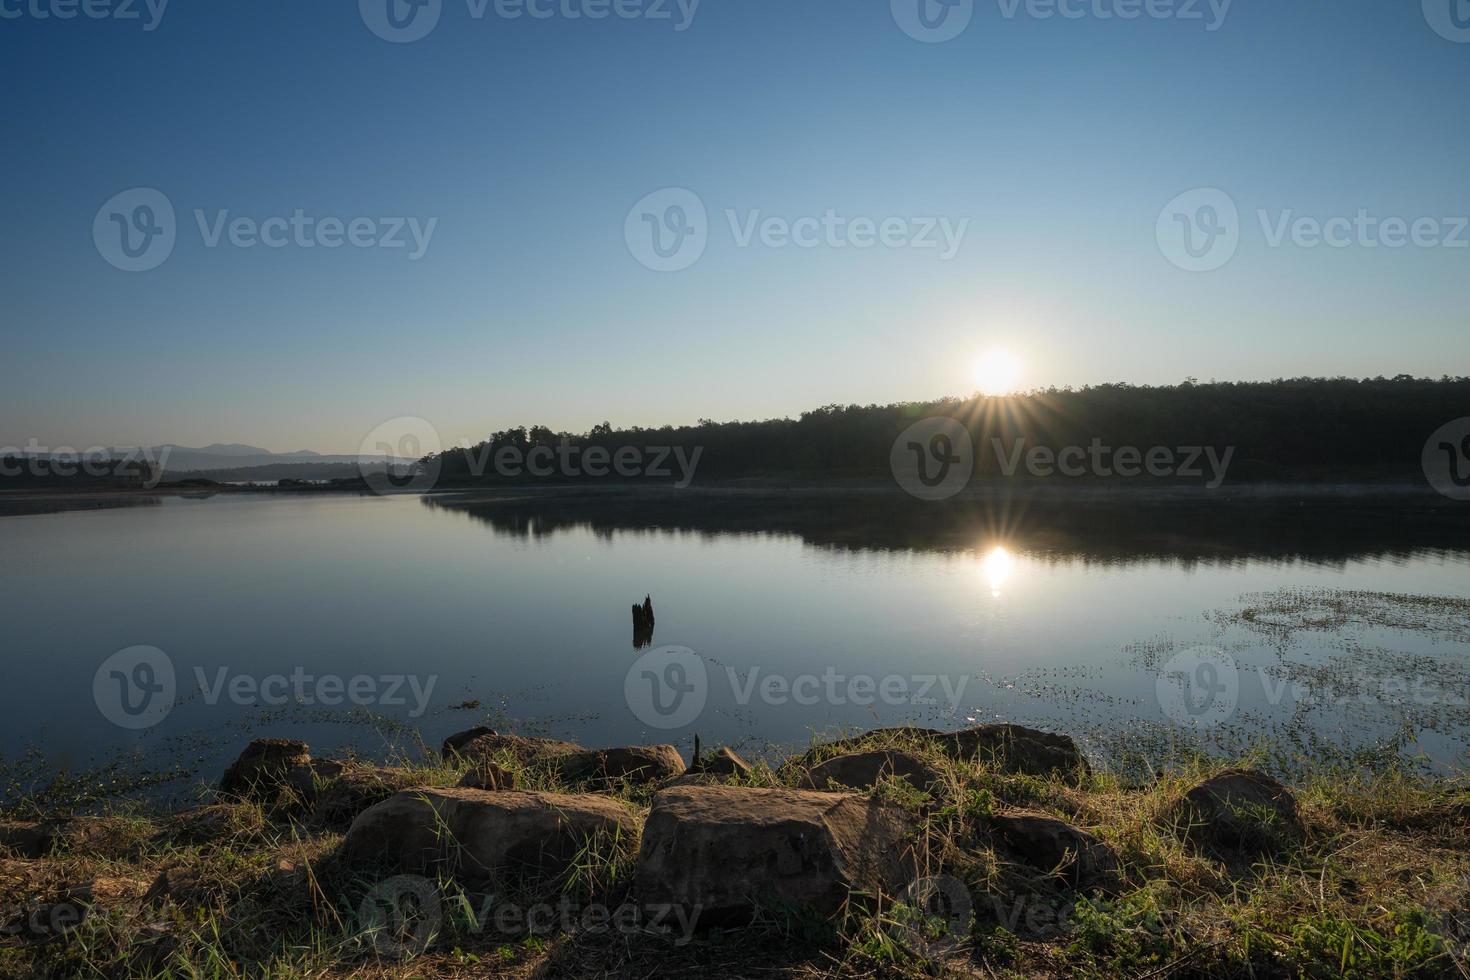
(1060, 140)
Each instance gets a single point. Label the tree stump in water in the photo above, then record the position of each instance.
(643, 623)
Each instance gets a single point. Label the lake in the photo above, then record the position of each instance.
(1143, 627)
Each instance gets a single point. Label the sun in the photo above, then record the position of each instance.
(997, 372)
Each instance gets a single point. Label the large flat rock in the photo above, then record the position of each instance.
(863, 770)
(481, 836)
(721, 851)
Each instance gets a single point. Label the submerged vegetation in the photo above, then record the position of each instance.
(1282, 614)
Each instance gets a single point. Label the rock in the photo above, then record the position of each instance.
(863, 770)
(1047, 843)
(281, 775)
(300, 785)
(878, 736)
(720, 851)
(1240, 809)
(480, 836)
(353, 790)
(713, 769)
(263, 768)
(454, 743)
(721, 762)
(517, 749)
(1017, 749)
(27, 839)
(693, 779)
(635, 763)
(487, 775)
(1012, 748)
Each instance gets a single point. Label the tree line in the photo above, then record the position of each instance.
(1297, 428)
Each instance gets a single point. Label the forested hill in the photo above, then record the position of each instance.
(1303, 428)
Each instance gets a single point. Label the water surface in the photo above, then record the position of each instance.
(515, 612)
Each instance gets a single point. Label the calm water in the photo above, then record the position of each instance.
(523, 607)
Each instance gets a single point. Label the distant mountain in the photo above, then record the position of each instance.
(219, 449)
(184, 459)
(281, 471)
(219, 456)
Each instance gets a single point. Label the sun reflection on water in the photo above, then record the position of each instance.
(998, 566)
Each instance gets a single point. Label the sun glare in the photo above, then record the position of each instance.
(997, 372)
(997, 566)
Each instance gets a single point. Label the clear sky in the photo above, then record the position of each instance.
(528, 141)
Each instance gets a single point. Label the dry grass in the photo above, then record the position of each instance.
(1376, 886)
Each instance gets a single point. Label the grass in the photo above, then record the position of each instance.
(1377, 885)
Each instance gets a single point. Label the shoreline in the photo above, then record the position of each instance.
(24, 502)
(995, 850)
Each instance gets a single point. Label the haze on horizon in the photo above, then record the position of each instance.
(531, 143)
